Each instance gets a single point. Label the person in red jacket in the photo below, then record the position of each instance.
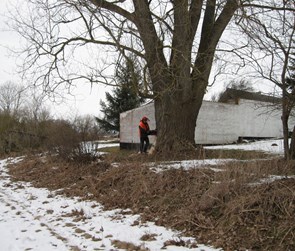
(144, 131)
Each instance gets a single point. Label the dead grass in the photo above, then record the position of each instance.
(117, 155)
(226, 209)
(148, 237)
(128, 246)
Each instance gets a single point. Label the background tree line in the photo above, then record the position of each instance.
(26, 124)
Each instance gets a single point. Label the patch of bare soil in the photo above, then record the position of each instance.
(225, 209)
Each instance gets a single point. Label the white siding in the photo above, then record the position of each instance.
(129, 122)
(220, 123)
(217, 123)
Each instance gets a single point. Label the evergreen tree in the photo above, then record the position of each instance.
(123, 98)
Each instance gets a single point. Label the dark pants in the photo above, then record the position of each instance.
(144, 144)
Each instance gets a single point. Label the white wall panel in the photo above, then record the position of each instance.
(218, 123)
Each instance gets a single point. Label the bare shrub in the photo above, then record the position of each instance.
(62, 138)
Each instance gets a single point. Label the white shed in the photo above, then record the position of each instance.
(243, 115)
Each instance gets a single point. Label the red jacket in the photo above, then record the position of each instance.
(144, 129)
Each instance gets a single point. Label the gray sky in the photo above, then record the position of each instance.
(84, 99)
(6, 38)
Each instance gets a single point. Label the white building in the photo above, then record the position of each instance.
(239, 115)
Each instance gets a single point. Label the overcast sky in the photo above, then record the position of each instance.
(85, 100)
(6, 39)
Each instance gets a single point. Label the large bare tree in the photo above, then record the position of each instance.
(175, 41)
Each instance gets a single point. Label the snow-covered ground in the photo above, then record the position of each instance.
(269, 146)
(37, 219)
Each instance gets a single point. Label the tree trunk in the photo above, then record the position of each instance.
(285, 119)
(292, 145)
(176, 124)
(286, 137)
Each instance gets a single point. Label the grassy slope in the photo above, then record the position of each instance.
(219, 208)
